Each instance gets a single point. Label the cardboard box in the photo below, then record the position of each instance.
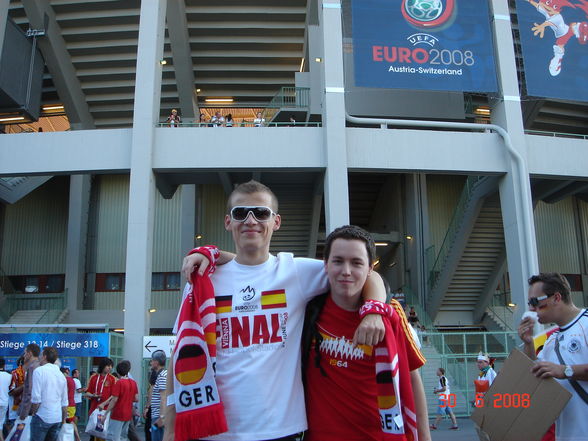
(507, 416)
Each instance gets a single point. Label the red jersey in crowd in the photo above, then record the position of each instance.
(126, 391)
(101, 385)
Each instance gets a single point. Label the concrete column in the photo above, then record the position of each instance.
(417, 229)
(187, 219)
(336, 199)
(142, 182)
(77, 229)
(515, 189)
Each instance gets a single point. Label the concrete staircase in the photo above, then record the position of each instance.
(14, 189)
(502, 316)
(296, 209)
(36, 316)
(430, 382)
(478, 260)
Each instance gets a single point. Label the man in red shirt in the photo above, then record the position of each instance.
(359, 392)
(100, 385)
(120, 404)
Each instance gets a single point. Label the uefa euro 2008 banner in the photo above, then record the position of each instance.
(554, 37)
(423, 45)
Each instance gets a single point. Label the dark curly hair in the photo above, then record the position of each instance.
(552, 283)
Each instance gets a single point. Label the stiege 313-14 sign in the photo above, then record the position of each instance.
(423, 44)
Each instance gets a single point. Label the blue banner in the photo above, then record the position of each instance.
(423, 45)
(67, 345)
(554, 37)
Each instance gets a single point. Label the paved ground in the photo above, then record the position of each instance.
(466, 431)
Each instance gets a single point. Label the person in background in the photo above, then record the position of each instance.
(564, 356)
(71, 403)
(259, 121)
(229, 120)
(16, 390)
(147, 409)
(292, 121)
(120, 404)
(79, 390)
(174, 119)
(443, 390)
(486, 376)
(158, 398)
(31, 360)
(49, 398)
(5, 380)
(100, 386)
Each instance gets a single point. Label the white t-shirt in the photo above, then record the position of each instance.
(443, 382)
(258, 344)
(572, 424)
(5, 380)
(490, 375)
(77, 395)
(49, 390)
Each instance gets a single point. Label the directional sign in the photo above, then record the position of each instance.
(152, 343)
(67, 345)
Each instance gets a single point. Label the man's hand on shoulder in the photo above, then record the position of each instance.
(200, 261)
(192, 262)
(370, 331)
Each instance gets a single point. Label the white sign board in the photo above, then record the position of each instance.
(152, 343)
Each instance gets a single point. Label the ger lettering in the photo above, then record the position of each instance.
(196, 396)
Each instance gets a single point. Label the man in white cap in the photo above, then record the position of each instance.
(485, 377)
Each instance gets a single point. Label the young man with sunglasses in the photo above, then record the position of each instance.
(260, 301)
(565, 353)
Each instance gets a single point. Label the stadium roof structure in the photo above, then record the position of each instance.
(241, 50)
(233, 49)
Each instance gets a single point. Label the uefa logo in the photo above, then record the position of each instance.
(428, 14)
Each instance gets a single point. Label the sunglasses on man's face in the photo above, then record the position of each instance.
(260, 213)
(534, 301)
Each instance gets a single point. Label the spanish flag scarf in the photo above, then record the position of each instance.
(395, 397)
(199, 410)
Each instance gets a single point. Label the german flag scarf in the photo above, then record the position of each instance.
(199, 410)
(395, 397)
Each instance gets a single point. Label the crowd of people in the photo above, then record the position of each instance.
(45, 396)
(220, 120)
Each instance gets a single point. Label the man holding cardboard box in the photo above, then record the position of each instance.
(565, 354)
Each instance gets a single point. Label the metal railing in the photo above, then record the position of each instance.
(556, 134)
(54, 302)
(462, 204)
(459, 353)
(501, 310)
(291, 97)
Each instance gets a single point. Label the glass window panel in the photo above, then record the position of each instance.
(157, 281)
(112, 282)
(173, 281)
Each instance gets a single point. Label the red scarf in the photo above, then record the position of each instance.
(199, 410)
(395, 397)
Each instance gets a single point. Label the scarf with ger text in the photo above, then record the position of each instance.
(199, 410)
(395, 397)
